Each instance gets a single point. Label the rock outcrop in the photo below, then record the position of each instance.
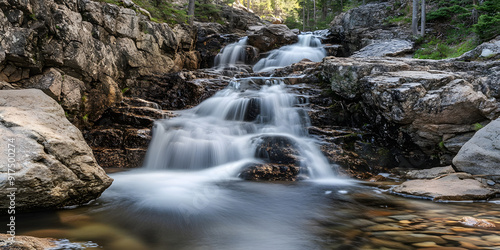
(481, 154)
(361, 26)
(82, 52)
(393, 47)
(120, 137)
(273, 36)
(436, 105)
(54, 167)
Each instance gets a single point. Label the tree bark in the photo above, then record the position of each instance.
(304, 17)
(314, 14)
(414, 19)
(191, 12)
(422, 21)
(474, 12)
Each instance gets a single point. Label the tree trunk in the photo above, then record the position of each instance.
(191, 11)
(474, 12)
(323, 10)
(414, 19)
(422, 21)
(248, 4)
(364, 2)
(304, 17)
(314, 14)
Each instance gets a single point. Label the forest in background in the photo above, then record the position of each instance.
(453, 26)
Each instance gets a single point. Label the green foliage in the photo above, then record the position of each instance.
(478, 126)
(205, 12)
(488, 27)
(438, 49)
(125, 90)
(397, 20)
(441, 145)
(85, 118)
(293, 22)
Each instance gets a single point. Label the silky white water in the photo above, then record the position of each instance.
(232, 54)
(308, 47)
(228, 127)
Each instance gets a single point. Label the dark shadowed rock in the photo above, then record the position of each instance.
(270, 172)
(277, 149)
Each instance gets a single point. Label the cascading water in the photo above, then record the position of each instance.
(232, 54)
(308, 47)
(228, 128)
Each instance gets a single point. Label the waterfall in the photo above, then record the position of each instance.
(229, 126)
(308, 47)
(232, 54)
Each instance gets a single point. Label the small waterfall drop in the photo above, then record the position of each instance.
(308, 47)
(232, 54)
(229, 126)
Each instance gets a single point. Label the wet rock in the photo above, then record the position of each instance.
(394, 47)
(480, 155)
(277, 149)
(429, 173)
(26, 243)
(58, 167)
(473, 222)
(270, 172)
(457, 186)
(271, 37)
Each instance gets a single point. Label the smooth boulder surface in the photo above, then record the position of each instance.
(481, 154)
(54, 165)
(458, 186)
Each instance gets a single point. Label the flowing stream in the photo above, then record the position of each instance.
(188, 194)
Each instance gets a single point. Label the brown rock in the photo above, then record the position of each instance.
(26, 243)
(473, 222)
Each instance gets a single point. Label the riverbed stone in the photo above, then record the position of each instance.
(458, 186)
(26, 243)
(54, 165)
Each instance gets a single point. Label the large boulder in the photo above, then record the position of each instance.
(266, 38)
(54, 167)
(362, 25)
(481, 154)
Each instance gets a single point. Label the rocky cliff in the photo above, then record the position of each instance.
(85, 53)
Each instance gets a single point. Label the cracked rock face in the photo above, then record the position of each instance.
(54, 166)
